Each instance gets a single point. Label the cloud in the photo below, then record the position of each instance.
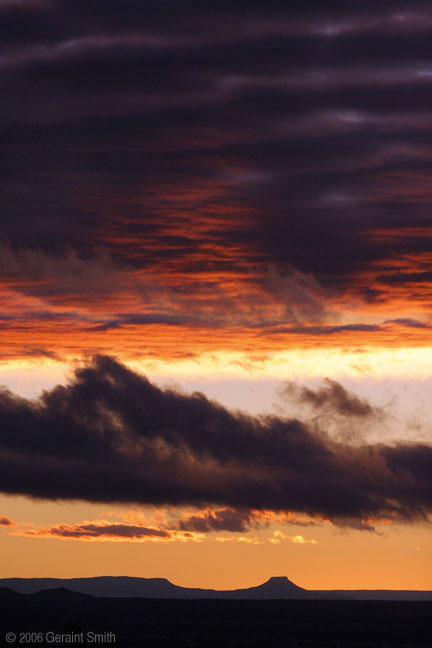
(344, 416)
(304, 299)
(112, 436)
(96, 288)
(237, 520)
(238, 540)
(277, 536)
(5, 521)
(332, 397)
(328, 330)
(89, 531)
(310, 126)
(34, 271)
(38, 352)
(408, 322)
(102, 531)
(209, 520)
(354, 524)
(219, 520)
(163, 526)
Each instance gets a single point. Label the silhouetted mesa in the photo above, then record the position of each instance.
(277, 587)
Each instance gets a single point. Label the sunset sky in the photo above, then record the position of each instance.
(216, 291)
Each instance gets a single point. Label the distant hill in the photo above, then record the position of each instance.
(60, 594)
(277, 587)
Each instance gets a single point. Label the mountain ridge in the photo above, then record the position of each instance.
(276, 587)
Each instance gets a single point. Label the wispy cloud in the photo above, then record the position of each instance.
(278, 536)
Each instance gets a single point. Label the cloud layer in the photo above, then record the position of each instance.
(112, 436)
(215, 165)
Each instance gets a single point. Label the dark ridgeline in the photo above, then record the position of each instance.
(277, 587)
(212, 623)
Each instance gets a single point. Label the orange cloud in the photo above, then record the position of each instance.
(103, 531)
(278, 536)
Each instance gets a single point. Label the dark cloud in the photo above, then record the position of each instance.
(231, 520)
(88, 531)
(409, 322)
(120, 116)
(327, 330)
(112, 436)
(332, 396)
(406, 277)
(114, 530)
(147, 318)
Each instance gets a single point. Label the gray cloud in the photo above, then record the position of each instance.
(235, 521)
(112, 436)
(334, 397)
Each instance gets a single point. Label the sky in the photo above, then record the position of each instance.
(215, 291)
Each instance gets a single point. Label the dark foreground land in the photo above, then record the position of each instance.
(63, 618)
